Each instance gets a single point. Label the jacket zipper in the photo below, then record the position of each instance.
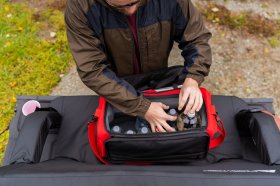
(139, 62)
(133, 51)
(123, 18)
(133, 47)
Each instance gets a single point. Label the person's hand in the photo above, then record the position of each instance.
(190, 92)
(157, 117)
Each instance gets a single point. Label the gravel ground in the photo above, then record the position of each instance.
(269, 9)
(243, 65)
(71, 84)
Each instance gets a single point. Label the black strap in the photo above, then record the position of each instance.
(6, 129)
(171, 76)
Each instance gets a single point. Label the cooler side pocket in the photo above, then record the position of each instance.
(266, 135)
(260, 136)
(181, 147)
(31, 140)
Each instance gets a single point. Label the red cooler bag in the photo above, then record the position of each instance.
(153, 148)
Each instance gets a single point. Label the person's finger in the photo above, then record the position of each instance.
(200, 103)
(160, 128)
(153, 128)
(196, 103)
(180, 98)
(165, 107)
(156, 129)
(183, 99)
(167, 127)
(190, 103)
(170, 118)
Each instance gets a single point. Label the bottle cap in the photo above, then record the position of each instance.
(186, 120)
(191, 114)
(116, 129)
(193, 121)
(144, 130)
(172, 112)
(130, 132)
(140, 123)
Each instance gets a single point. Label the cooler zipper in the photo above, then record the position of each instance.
(155, 159)
(190, 132)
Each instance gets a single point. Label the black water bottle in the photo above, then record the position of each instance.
(144, 130)
(142, 126)
(172, 112)
(192, 120)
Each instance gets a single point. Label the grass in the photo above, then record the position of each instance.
(243, 21)
(33, 54)
(274, 42)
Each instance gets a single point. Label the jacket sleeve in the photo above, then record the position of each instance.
(93, 67)
(193, 37)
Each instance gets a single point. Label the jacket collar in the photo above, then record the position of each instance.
(105, 4)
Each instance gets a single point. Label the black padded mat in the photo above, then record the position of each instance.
(75, 164)
(68, 172)
(72, 140)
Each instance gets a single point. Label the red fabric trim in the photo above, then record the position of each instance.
(214, 142)
(92, 141)
(98, 134)
(212, 127)
(150, 93)
(102, 134)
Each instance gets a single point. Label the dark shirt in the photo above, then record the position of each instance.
(133, 27)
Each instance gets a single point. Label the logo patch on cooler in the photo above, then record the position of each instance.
(240, 171)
